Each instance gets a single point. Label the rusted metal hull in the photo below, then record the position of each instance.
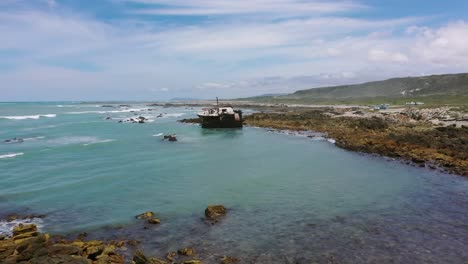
(223, 121)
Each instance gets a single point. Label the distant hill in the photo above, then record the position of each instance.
(452, 86)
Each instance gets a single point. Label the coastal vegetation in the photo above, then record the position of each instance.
(434, 90)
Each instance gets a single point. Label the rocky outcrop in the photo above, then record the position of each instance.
(140, 258)
(149, 217)
(214, 212)
(229, 260)
(171, 138)
(186, 251)
(27, 245)
(393, 135)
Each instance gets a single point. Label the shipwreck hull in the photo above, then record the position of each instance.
(219, 122)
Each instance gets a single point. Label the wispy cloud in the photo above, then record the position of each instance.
(47, 48)
(224, 7)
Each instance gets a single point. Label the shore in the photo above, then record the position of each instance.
(436, 138)
(416, 136)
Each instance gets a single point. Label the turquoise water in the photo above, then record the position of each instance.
(291, 199)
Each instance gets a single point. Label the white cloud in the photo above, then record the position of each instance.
(385, 56)
(223, 7)
(444, 46)
(52, 50)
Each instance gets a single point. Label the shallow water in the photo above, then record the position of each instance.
(291, 199)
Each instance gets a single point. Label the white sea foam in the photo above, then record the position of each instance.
(33, 138)
(11, 155)
(158, 135)
(126, 110)
(28, 117)
(99, 141)
(331, 140)
(72, 140)
(174, 115)
(6, 227)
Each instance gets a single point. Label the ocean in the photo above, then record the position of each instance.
(290, 199)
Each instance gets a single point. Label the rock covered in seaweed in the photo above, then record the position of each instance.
(149, 217)
(213, 212)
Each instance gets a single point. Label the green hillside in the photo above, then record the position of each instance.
(448, 88)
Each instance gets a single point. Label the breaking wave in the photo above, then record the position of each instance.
(6, 227)
(28, 117)
(99, 141)
(11, 155)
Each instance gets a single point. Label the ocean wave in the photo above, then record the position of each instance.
(28, 117)
(72, 140)
(174, 115)
(33, 138)
(6, 227)
(158, 135)
(127, 110)
(99, 141)
(11, 155)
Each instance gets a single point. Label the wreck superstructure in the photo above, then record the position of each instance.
(220, 117)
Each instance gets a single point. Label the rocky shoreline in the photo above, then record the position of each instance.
(27, 245)
(411, 135)
(433, 138)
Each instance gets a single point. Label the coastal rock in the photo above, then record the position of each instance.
(29, 246)
(215, 211)
(171, 138)
(149, 217)
(193, 261)
(22, 229)
(145, 215)
(140, 258)
(229, 260)
(154, 221)
(186, 251)
(171, 255)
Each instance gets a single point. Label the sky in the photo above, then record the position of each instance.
(161, 49)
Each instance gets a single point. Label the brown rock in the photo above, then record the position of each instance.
(215, 211)
(229, 260)
(24, 228)
(186, 251)
(154, 221)
(145, 215)
(171, 255)
(193, 261)
(64, 249)
(140, 258)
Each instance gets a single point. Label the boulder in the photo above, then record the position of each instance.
(64, 249)
(149, 216)
(193, 261)
(140, 258)
(215, 211)
(154, 221)
(186, 251)
(24, 228)
(229, 260)
(145, 215)
(171, 255)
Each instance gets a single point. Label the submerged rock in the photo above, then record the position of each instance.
(193, 261)
(186, 251)
(171, 138)
(229, 260)
(29, 246)
(149, 217)
(215, 211)
(140, 258)
(145, 215)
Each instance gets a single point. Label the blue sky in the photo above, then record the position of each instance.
(161, 49)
